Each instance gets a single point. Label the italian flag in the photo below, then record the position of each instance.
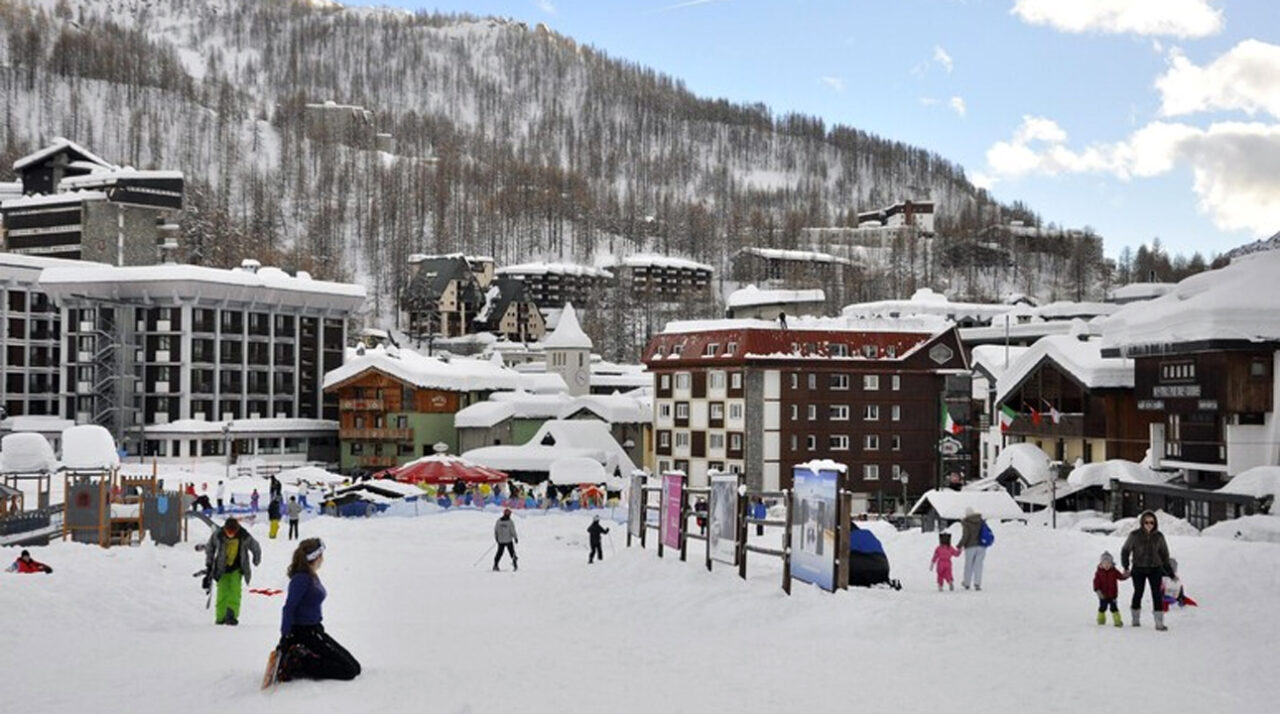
(1007, 415)
(949, 425)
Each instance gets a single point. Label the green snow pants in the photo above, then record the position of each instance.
(228, 595)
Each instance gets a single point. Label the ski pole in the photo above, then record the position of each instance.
(482, 555)
(612, 549)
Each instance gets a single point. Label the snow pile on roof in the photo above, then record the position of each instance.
(543, 382)
(992, 358)
(505, 405)
(652, 260)
(1140, 291)
(553, 269)
(927, 302)
(817, 465)
(1101, 474)
(69, 278)
(457, 374)
(88, 447)
(26, 453)
(807, 256)
(568, 333)
(575, 470)
(1032, 464)
(751, 296)
(611, 408)
(59, 144)
(554, 440)
(1237, 302)
(1256, 528)
(923, 324)
(242, 426)
(35, 422)
(951, 505)
(1259, 482)
(1068, 309)
(313, 475)
(1081, 359)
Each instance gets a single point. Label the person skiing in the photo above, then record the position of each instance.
(294, 510)
(222, 492)
(226, 562)
(594, 531)
(1106, 585)
(25, 564)
(504, 531)
(273, 516)
(941, 562)
(306, 651)
(974, 551)
(1150, 555)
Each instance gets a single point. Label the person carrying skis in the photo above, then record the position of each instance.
(25, 564)
(294, 511)
(226, 561)
(504, 531)
(273, 516)
(594, 531)
(1106, 585)
(306, 650)
(1150, 555)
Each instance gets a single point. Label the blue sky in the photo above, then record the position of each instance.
(1140, 118)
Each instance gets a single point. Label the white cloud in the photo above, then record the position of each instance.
(683, 5)
(547, 7)
(1246, 78)
(957, 106)
(941, 57)
(1179, 18)
(1232, 163)
(835, 83)
(928, 102)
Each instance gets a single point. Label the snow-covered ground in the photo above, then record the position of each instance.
(126, 629)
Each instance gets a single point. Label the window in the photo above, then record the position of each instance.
(664, 382)
(664, 466)
(813, 381)
(716, 380)
(664, 411)
(715, 440)
(813, 411)
(711, 349)
(735, 380)
(839, 412)
(840, 381)
(795, 381)
(682, 380)
(838, 349)
(682, 439)
(662, 350)
(871, 413)
(795, 412)
(664, 439)
(731, 349)
(735, 411)
(735, 442)
(811, 442)
(892, 351)
(897, 472)
(895, 413)
(870, 351)
(717, 411)
(896, 382)
(871, 442)
(677, 349)
(895, 442)
(1257, 368)
(682, 410)
(839, 442)
(357, 448)
(870, 382)
(794, 442)
(871, 472)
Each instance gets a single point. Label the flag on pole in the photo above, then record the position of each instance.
(949, 425)
(1055, 415)
(1007, 415)
(1035, 416)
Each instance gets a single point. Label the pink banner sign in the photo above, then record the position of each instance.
(671, 501)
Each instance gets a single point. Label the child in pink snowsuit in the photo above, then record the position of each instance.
(941, 562)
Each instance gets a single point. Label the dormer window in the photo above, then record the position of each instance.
(711, 349)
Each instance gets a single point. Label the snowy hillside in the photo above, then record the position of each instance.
(126, 629)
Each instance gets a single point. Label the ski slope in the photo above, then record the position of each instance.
(126, 629)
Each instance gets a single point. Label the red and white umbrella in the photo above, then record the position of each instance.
(442, 469)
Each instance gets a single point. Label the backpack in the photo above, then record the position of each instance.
(985, 537)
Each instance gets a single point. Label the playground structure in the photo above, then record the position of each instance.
(109, 508)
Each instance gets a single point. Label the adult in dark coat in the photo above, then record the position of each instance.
(593, 532)
(1150, 554)
(868, 565)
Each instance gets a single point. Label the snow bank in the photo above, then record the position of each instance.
(1031, 463)
(1168, 523)
(751, 296)
(1256, 528)
(26, 452)
(88, 447)
(575, 470)
(1259, 482)
(1101, 474)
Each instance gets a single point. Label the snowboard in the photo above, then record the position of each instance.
(269, 677)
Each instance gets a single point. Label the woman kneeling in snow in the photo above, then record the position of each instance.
(306, 650)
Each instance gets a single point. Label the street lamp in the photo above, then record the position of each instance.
(903, 477)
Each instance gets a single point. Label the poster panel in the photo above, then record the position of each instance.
(672, 499)
(813, 524)
(724, 518)
(635, 506)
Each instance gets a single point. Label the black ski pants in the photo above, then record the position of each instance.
(504, 547)
(325, 658)
(1141, 577)
(293, 528)
(596, 552)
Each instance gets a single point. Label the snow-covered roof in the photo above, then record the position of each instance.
(60, 144)
(816, 465)
(131, 280)
(457, 374)
(1140, 291)
(572, 437)
(543, 382)
(1101, 474)
(652, 260)
(927, 302)
(88, 447)
(109, 177)
(1082, 359)
(53, 199)
(1032, 464)
(568, 333)
(1070, 309)
(612, 408)
(37, 423)
(1236, 302)
(1259, 482)
(553, 269)
(243, 426)
(992, 358)
(951, 505)
(575, 470)
(308, 474)
(751, 296)
(808, 256)
(26, 452)
(1043, 493)
(923, 324)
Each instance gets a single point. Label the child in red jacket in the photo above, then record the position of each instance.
(25, 564)
(941, 562)
(1106, 585)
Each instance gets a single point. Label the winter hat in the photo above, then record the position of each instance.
(1106, 558)
(595, 519)
(968, 511)
(232, 525)
(506, 511)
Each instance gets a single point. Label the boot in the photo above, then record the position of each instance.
(1137, 617)
(1115, 619)
(1159, 618)
(952, 586)
(515, 563)
(230, 619)
(495, 567)
(1102, 618)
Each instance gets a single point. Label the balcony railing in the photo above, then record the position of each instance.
(369, 434)
(361, 405)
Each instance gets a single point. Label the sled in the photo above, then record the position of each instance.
(270, 676)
